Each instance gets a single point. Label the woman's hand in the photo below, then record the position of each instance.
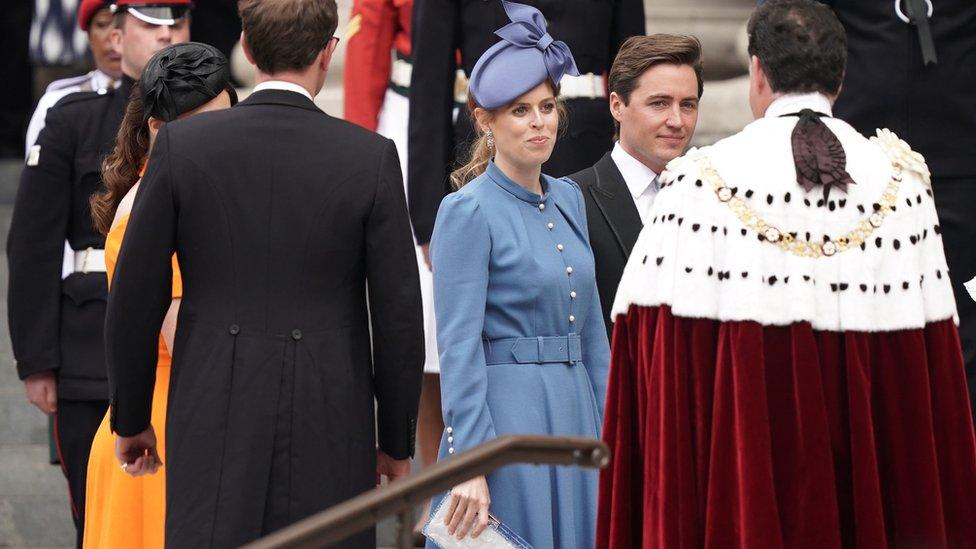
(469, 508)
(137, 454)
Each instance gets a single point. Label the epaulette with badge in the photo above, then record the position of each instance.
(81, 97)
(66, 102)
(68, 82)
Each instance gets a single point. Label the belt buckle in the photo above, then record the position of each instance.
(84, 260)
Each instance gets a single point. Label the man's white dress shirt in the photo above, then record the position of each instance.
(282, 85)
(641, 180)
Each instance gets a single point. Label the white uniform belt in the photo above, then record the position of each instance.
(588, 86)
(584, 86)
(89, 260)
(460, 87)
(400, 73)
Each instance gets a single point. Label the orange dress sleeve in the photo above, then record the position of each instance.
(177, 279)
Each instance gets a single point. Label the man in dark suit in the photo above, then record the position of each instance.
(284, 366)
(912, 71)
(449, 35)
(655, 84)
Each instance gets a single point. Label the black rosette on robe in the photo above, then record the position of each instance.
(182, 77)
(818, 154)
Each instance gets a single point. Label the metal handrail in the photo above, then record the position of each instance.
(363, 511)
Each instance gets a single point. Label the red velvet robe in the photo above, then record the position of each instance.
(732, 434)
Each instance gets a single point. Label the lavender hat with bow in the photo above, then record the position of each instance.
(525, 57)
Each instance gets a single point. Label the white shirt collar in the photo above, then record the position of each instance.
(637, 175)
(282, 85)
(795, 102)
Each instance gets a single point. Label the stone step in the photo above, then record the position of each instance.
(26, 472)
(35, 521)
(34, 510)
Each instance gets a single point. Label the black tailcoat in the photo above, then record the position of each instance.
(279, 215)
(594, 31)
(614, 225)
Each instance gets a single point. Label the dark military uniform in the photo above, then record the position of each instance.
(594, 31)
(56, 324)
(888, 85)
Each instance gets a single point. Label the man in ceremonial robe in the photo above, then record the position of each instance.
(786, 370)
(286, 370)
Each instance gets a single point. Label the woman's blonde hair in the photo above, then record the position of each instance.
(480, 153)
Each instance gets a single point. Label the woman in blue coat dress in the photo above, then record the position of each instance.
(523, 348)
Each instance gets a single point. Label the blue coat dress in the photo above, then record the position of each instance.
(523, 348)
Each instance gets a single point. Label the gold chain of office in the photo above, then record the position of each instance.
(797, 246)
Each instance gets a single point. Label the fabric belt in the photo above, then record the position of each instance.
(533, 350)
(89, 260)
(584, 86)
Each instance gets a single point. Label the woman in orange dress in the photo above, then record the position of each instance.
(125, 506)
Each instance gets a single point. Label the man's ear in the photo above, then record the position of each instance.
(324, 57)
(247, 50)
(115, 39)
(616, 106)
(330, 49)
(839, 88)
(757, 74)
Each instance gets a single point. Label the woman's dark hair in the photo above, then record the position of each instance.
(120, 169)
(801, 45)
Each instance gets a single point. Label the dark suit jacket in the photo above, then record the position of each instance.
(593, 30)
(614, 226)
(280, 215)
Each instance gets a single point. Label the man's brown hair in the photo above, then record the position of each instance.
(287, 35)
(640, 53)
